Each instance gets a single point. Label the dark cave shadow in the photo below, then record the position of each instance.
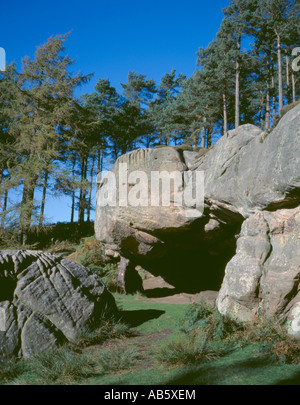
(137, 318)
(161, 292)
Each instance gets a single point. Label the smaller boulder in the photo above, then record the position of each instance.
(46, 301)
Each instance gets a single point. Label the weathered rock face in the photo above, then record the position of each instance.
(45, 301)
(263, 276)
(164, 240)
(249, 227)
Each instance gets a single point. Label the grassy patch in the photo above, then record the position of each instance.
(190, 350)
(117, 359)
(109, 329)
(192, 343)
(64, 366)
(60, 366)
(273, 340)
(11, 370)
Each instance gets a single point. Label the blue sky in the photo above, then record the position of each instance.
(111, 38)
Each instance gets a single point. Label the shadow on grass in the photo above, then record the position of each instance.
(137, 318)
(211, 374)
(294, 380)
(161, 292)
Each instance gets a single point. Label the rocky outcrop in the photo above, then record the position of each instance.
(264, 275)
(164, 240)
(247, 240)
(46, 301)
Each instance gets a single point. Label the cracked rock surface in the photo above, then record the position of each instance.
(45, 301)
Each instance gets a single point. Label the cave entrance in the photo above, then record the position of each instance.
(190, 262)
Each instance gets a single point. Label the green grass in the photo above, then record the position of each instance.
(136, 359)
(109, 329)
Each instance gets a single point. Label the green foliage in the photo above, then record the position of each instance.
(190, 350)
(109, 329)
(273, 340)
(89, 254)
(10, 370)
(65, 366)
(109, 275)
(39, 112)
(60, 237)
(201, 318)
(118, 358)
(60, 366)
(204, 328)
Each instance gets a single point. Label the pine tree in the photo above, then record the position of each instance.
(238, 14)
(162, 106)
(38, 121)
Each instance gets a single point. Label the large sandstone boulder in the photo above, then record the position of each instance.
(46, 301)
(247, 239)
(164, 240)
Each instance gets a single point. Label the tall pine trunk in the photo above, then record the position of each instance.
(288, 75)
(203, 138)
(82, 197)
(196, 138)
(91, 190)
(273, 95)
(237, 87)
(160, 137)
(280, 86)
(293, 87)
(100, 161)
(203, 141)
(208, 137)
(5, 198)
(268, 97)
(225, 120)
(26, 210)
(73, 189)
(41, 219)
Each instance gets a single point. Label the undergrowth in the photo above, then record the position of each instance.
(63, 366)
(191, 350)
(89, 254)
(207, 335)
(11, 370)
(109, 329)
